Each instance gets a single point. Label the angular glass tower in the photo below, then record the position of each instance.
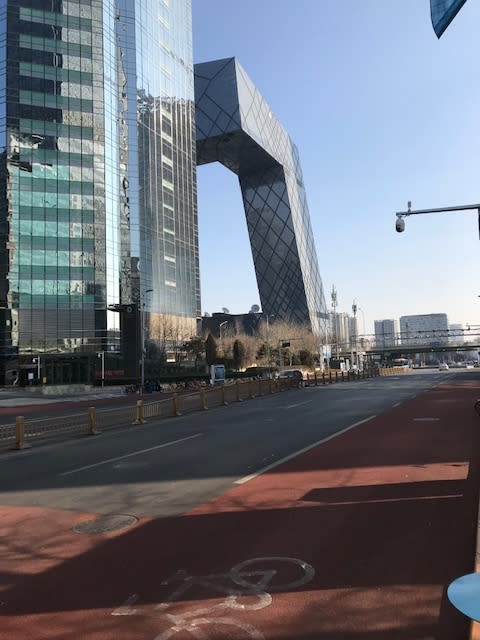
(236, 127)
(98, 212)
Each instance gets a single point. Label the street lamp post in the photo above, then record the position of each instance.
(354, 337)
(334, 305)
(142, 339)
(39, 367)
(269, 352)
(222, 324)
(101, 355)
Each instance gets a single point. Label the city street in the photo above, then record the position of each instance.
(337, 512)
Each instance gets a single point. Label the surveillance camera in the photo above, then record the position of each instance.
(400, 225)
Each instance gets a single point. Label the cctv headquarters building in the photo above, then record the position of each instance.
(99, 135)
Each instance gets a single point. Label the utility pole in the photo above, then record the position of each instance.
(142, 339)
(101, 355)
(354, 340)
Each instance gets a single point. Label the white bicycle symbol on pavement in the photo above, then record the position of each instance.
(245, 579)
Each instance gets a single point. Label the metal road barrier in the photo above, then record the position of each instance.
(91, 422)
(393, 371)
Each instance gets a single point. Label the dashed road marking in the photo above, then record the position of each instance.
(298, 404)
(129, 455)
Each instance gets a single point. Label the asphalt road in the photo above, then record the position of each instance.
(169, 466)
(357, 538)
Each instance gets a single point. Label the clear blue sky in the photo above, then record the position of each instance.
(382, 112)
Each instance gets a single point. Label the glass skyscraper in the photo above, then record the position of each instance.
(98, 206)
(98, 212)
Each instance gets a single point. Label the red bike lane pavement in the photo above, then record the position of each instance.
(354, 539)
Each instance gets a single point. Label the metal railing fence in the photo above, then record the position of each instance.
(92, 421)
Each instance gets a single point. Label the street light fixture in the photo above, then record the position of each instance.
(101, 354)
(334, 305)
(222, 324)
(39, 367)
(401, 215)
(354, 338)
(267, 319)
(142, 328)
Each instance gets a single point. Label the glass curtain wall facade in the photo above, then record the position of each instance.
(98, 201)
(236, 127)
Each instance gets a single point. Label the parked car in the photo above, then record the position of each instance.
(443, 366)
(295, 375)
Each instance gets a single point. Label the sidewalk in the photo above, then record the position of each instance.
(17, 397)
(355, 539)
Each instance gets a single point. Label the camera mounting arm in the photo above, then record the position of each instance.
(401, 215)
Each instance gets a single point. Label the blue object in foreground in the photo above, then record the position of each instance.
(443, 12)
(464, 594)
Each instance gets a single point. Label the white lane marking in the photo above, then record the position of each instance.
(129, 455)
(297, 453)
(397, 404)
(126, 608)
(299, 404)
(426, 419)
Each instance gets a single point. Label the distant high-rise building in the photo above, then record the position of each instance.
(340, 325)
(386, 333)
(430, 328)
(456, 333)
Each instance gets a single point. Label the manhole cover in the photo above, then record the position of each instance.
(105, 523)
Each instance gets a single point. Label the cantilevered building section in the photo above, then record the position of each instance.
(236, 127)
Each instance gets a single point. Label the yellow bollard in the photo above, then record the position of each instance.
(176, 413)
(92, 422)
(139, 419)
(203, 403)
(20, 434)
